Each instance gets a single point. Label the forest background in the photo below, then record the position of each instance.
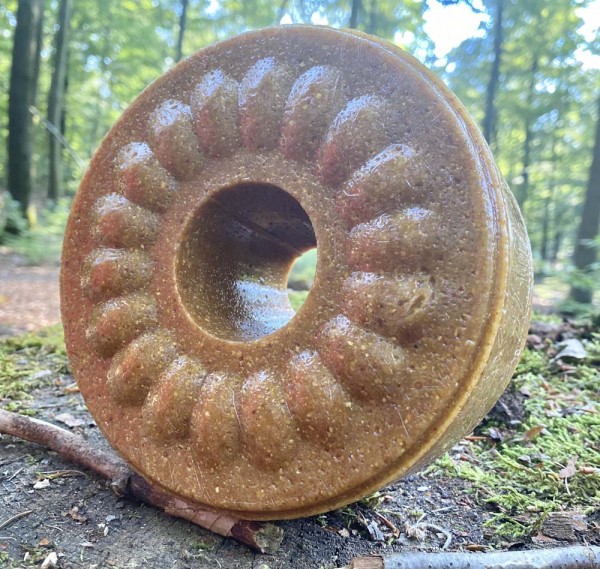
(529, 75)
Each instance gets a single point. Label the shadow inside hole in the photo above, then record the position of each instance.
(233, 265)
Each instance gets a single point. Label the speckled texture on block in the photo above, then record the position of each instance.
(184, 229)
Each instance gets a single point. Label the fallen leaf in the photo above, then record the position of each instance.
(571, 348)
(75, 515)
(533, 432)
(44, 542)
(495, 435)
(41, 484)
(568, 470)
(475, 547)
(69, 420)
(541, 538)
(524, 391)
(414, 532)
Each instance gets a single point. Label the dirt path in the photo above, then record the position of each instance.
(29, 297)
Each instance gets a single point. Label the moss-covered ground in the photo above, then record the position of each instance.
(550, 460)
(30, 361)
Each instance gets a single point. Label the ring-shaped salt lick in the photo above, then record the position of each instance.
(197, 203)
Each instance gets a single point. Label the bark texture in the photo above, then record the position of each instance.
(22, 92)
(577, 557)
(490, 117)
(585, 255)
(56, 101)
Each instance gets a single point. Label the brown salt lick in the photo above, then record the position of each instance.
(183, 232)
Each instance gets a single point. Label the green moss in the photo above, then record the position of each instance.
(523, 478)
(548, 318)
(29, 361)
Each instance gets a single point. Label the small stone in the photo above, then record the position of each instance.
(50, 561)
(69, 420)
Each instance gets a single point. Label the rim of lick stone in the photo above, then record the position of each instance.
(184, 229)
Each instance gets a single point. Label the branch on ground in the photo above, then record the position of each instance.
(261, 536)
(577, 557)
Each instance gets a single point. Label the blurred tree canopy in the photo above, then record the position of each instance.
(523, 77)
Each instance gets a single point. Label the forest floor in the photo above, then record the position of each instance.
(528, 477)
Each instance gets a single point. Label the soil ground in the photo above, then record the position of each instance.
(28, 295)
(72, 513)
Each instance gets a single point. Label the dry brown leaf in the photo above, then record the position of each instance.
(533, 432)
(568, 470)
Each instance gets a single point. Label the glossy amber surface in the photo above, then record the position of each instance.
(184, 229)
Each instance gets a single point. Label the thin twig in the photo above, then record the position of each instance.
(261, 536)
(15, 474)
(14, 518)
(51, 128)
(389, 524)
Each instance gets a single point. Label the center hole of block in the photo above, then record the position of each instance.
(233, 264)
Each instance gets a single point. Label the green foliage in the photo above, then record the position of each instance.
(302, 275)
(543, 84)
(40, 242)
(117, 48)
(297, 298)
(525, 477)
(301, 278)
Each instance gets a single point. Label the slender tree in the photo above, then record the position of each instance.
(182, 27)
(585, 254)
(529, 134)
(23, 83)
(371, 27)
(490, 117)
(56, 100)
(354, 10)
(548, 202)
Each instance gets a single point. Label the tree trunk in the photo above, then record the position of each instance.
(490, 117)
(356, 7)
(372, 23)
(545, 228)
(23, 81)
(281, 11)
(585, 254)
(56, 101)
(37, 50)
(557, 241)
(524, 190)
(182, 23)
(544, 246)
